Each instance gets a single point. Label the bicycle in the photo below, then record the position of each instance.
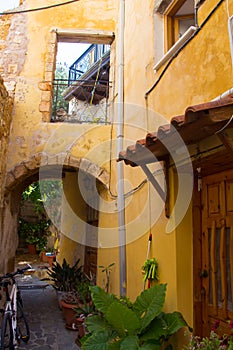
(14, 324)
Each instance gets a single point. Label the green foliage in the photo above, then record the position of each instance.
(61, 78)
(214, 341)
(45, 193)
(34, 233)
(65, 277)
(107, 270)
(130, 326)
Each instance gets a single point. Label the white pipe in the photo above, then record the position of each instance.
(224, 94)
(120, 140)
(173, 50)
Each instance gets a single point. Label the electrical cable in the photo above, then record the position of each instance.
(182, 47)
(38, 8)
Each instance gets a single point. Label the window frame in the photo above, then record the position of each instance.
(171, 22)
(65, 35)
(164, 17)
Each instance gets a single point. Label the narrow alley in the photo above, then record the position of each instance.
(45, 319)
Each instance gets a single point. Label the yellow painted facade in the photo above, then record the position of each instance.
(200, 72)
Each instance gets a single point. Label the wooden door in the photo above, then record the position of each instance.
(217, 251)
(90, 259)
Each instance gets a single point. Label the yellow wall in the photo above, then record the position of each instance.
(200, 72)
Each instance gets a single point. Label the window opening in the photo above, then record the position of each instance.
(81, 83)
(179, 17)
(8, 5)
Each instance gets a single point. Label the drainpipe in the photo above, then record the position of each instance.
(120, 139)
(224, 94)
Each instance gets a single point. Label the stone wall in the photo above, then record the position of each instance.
(6, 104)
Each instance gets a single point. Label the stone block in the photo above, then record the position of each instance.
(104, 178)
(20, 171)
(44, 107)
(73, 161)
(46, 96)
(10, 179)
(44, 86)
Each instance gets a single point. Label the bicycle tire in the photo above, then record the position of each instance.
(7, 341)
(22, 331)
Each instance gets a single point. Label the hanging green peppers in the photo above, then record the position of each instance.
(150, 270)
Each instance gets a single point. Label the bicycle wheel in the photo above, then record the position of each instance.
(7, 333)
(22, 329)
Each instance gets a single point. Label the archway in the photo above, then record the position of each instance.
(37, 167)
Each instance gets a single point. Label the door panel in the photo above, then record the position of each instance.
(217, 251)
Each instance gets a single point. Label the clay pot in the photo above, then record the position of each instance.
(32, 249)
(80, 324)
(69, 315)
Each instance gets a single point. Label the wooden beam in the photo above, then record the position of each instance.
(84, 36)
(227, 140)
(154, 182)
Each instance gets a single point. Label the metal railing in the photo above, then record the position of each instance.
(90, 104)
(92, 55)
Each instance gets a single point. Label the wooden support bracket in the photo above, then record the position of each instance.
(163, 195)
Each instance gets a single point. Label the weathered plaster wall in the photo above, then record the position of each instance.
(6, 104)
(25, 62)
(201, 71)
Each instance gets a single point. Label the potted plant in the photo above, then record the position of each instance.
(82, 312)
(122, 325)
(65, 279)
(214, 341)
(35, 234)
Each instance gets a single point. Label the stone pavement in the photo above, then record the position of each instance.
(47, 327)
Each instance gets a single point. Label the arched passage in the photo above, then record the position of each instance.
(39, 166)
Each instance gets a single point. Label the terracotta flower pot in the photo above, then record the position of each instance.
(80, 325)
(69, 315)
(32, 249)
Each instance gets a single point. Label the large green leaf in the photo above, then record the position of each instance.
(151, 345)
(172, 322)
(155, 330)
(130, 343)
(98, 341)
(164, 326)
(101, 299)
(123, 320)
(97, 323)
(149, 304)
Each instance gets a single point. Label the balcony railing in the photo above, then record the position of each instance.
(80, 109)
(83, 98)
(92, 55)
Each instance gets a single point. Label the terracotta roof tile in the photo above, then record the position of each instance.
(199, 122)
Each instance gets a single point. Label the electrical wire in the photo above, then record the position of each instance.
(182, 47)
(38, 8)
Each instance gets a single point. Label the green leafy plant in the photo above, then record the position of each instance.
(65, 277)
(85, 310)
(214, 341)
(107, 270)
(34, 233)
(140, 325)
